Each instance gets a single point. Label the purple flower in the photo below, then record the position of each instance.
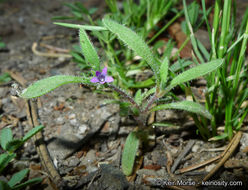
(102, 77)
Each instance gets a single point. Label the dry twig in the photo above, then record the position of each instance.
(36, 52)
(32, 115)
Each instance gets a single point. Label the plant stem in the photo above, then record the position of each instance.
(125, 95)
(150, 102)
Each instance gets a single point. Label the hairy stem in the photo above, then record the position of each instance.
(125, 95)
(150, 102)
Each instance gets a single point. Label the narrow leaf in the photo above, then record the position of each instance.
(185, 105)
(13, 145)
(138, 97)
(219, 137)
(196, 71)
(88, 49)
(134, 42)
(32, 132)
(78, 26)
(18, 177)
(5, 159)
(29, 182)
(143, 84)
(164, 71)
(46, 85)
(180, 64)
(6, 136)
(129, 153)
(149, 92)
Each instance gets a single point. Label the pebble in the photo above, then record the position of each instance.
(209, 167)
(3, 92)
(60, 120)
(74, 122)
(82, 129)
(91, 168)
(73, 161)
(72, 116)
(244, 141)
(195, 148)
(89, 158)
(5, 100)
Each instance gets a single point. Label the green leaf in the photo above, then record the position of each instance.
(164, 71)
(124, 108)
(219, 137)
(129, 153)
(89, 51)
(5, 159)
(32, 132)
(138, 97)
(134, 42)
(13, 145)
(18, 177)
(46, 85)
(6, 136)
(29, 182)
(78, 26)
(185, 105)
(4, 185)
(142, 84)
(196, 71)
(179, 65)
(5, 77)
(149, 92)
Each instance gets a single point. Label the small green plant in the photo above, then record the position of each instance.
(2, 44)
(79, 12)
(5, 77)
(10, 145)
(143, 103)
(142, 17)
(227, 93)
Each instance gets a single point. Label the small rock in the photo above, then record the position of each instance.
(148, 159)
(89, 158)
(5, 100)
(82, 129)
(195, 148)
(73, 161)
(63, 146)
(209, 167)
(91, 168)
(60, 121)
(111, 179)
(72, 116)
(244, 141)
(74, 122)
(158, 158)
(3, 92)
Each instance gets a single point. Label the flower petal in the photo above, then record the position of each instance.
(102, 82)
(104, 71)
(109, 79)
(98, 73)
(94, 80)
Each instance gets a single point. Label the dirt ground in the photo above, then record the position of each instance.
(84, 136)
